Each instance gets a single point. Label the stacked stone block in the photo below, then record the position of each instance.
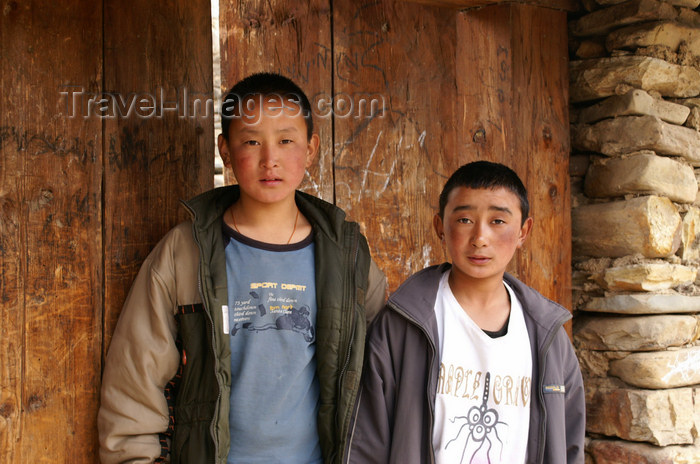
(635, 166)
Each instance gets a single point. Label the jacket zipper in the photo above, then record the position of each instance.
(351, 298)
(431, 406)
(540, 394)
(218, 394)
(213, 334)
(348, 445)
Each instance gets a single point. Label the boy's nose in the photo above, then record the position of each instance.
(478, 241)
(479, 237)
(268, 157)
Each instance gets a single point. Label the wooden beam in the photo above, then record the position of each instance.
(513, 93)
(563, 5)
(161, 150)
(50, 232)
(391, 165)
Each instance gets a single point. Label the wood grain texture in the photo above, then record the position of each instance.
(59, 140)
(439, 90)
(84, 199)
(293, 39)
(511, 62)
(540, 76)
(50, 234)
(562, 5)
(163, 151)
(391, 164)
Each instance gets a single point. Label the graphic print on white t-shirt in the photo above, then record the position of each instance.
(482, 405)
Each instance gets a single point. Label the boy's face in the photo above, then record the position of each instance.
(482, 229)
(267, 149)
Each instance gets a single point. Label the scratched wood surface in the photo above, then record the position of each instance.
(83, 199)
(69, 250)
(439, 88)
(371, 137)
(563, 5)
(293, 39)
(514, 92)
(392, 160)
(50, 234)
(153, 158)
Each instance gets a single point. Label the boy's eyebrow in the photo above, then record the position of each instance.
(502, 209)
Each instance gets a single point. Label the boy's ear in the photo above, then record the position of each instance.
(438, 226)
(223, 150)
(312, 149)
(525, 231)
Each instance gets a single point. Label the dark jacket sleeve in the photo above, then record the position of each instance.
(370, 440)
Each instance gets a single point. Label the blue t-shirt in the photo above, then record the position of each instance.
(272, 320)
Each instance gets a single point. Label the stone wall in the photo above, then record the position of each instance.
(635, 133)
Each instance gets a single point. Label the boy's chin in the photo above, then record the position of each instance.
(480, 274)
(270, 196)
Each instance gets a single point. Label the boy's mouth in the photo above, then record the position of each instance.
(479, 259)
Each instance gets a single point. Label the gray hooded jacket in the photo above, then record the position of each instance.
(395, 410)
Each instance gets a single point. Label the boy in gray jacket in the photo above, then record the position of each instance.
(466, 363)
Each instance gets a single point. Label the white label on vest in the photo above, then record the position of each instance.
(224, 317)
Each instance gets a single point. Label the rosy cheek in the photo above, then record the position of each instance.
(245, 161)
(513, 238)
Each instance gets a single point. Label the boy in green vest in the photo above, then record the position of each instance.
(242, 338)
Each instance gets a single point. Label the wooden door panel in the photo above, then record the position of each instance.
(512, 84)
(161, 152)
(390, 165)
(50, 233)
(440, 88)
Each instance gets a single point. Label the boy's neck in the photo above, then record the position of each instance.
(278, 223)
(486, 301)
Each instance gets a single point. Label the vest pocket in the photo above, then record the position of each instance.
(197, 389)
(192, 444)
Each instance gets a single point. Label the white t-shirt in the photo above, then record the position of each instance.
(482, 406)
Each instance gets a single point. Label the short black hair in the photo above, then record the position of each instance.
(264, 84)
(486, 175)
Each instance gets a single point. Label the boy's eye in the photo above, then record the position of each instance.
(285, 141)
(464, 221)
(499, 221)
(251, 142)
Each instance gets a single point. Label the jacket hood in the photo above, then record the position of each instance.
(416, 298)
(209, 206)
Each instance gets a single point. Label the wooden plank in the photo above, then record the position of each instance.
(484, 65)
(391, 165)
(512, 64)
(160, 148)
(50, 233)
(562, 5)
(540, 79)
(404, 157)
(293, 39)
